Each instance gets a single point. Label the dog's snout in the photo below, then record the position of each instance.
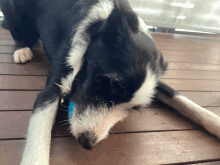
(87, 140)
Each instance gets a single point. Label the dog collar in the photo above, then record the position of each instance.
(71, 109)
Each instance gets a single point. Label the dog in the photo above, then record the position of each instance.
(103, 59)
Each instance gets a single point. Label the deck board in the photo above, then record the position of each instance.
(155, 135)
(31, 70)
(8, 58)
(209, 163)
(193, 75)
(37, 83)
(7, 42)
(122, 149)
(193, 66)
(17, 100)
(194, 59)
(22, 82)
(193, 85)
(5, 36)
(24, 100)
(14, 123)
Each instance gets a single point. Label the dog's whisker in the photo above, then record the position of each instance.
(63, 121)
(113, 134)
(65, 110)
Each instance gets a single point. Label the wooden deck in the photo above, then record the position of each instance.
(157, 135)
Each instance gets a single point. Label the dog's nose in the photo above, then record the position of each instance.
(87, 140)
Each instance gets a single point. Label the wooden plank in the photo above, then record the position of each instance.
(13, 124)
(193, 59)
(17, 100)
(193, 85)
(189, 74)
(207, 99)
(22, 82)
(193, 38)
(8, 58)
(153, 119)
(24, 100)
(184, 53)
(175, 45)
(199, 37)
(178, 45)
(208, 163)
(170, 50)
(186, 39)
(193, 66)
(157, 119)
(19, 69)
(191, 49)
(4, 31)
(7, 49)
(38, 82)
(142, 148)
(7, 42)
(6, 36)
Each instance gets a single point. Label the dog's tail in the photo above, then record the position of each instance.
(169, 96)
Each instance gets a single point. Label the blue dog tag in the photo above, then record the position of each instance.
(71, 109)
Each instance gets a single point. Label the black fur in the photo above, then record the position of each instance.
(116, 48)
(166, 90)
(114, 64)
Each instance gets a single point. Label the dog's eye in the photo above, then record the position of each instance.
(136, 107)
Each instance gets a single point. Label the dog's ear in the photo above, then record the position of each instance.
(120, 22)
(127, 16)
(163, 62)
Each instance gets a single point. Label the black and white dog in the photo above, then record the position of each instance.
(102, 58)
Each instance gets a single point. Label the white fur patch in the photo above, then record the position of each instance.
(67, 82)
(209, 120)
(145, 93)
(22, 55)
(98, 121)
(143, 28)
(37, 147)
(81, 40)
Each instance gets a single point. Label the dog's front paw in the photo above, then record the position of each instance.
(22, 55)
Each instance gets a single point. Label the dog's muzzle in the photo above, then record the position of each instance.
(87, 140)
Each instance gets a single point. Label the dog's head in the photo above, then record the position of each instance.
(120, 69)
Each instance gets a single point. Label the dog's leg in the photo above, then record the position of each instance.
(25, 42)
(37, 147)
(169, 96)
(22, 30)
